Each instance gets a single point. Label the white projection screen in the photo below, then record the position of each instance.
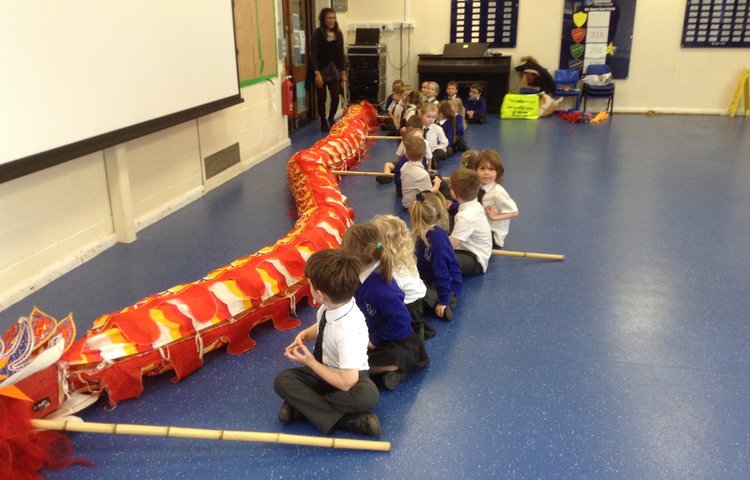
(78, 76)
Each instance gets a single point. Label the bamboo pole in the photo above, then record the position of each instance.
(384, 137)
(207, 434)
(361, 174)
(538, 256)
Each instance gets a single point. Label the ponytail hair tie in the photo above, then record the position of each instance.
(420, 197)
(379, 245)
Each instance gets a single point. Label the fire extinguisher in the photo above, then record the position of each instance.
(287, 96)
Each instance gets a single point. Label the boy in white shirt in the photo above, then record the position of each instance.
(433, 133)
(414, 177)
(333, 386)
(471, 236)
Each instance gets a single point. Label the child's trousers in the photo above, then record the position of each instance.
(321, 403)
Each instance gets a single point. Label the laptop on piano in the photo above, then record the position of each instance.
(465, 49)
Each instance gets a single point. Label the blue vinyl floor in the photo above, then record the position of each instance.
(629, 360)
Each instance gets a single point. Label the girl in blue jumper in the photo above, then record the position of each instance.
(394, 346)
(436, 258)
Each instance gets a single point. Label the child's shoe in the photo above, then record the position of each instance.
(383, 179)
(391, 380)
(289, 414)
(364, 423)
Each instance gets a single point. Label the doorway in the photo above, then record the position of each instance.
(297, 27)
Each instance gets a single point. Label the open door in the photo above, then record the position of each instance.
(297, 27)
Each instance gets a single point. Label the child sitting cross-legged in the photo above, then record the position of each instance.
(332, 388)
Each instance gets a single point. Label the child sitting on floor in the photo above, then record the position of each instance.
(436, 259)
(471, 236)
(476, 107)
(332, 388)
(394, 346)
(414, 177)
(433, 133)
(397, 240)
(497, 204)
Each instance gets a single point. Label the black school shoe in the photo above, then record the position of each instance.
(383, 179)
(391, 380)
(364, 423)
(289, 414)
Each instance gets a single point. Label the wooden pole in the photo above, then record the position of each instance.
(539, 256)
(361, 174)
(384, 137)
(206, 434)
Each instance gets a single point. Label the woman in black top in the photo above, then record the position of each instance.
(328, 64)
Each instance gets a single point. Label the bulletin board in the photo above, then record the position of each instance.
(485, 21)
(256, 40)
(598, 32)
(716, 23)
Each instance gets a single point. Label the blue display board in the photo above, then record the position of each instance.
(597, 32)
(716, 23)
(484, 21)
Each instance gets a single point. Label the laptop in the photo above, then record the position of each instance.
(367, 36)
(465, 49)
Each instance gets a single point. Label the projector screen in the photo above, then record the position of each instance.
(82, 75)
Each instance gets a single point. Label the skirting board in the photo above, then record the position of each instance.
(55, 271)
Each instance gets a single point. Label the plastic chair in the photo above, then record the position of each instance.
(599, 91)
(566, 84)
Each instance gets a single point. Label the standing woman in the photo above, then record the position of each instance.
(328, 63)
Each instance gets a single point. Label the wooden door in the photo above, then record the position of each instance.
(297, 28)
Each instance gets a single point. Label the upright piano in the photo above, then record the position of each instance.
(491, 71)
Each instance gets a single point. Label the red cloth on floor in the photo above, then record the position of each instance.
(25, 451)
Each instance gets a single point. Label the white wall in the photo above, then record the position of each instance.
(55, 219)
(663, 77)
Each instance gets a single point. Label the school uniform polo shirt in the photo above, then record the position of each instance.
(345, 337)
(472, 229)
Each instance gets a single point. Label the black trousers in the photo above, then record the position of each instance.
(334, 88)
(322, 403)
(468, 263)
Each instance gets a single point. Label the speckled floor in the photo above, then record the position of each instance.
(629, 360)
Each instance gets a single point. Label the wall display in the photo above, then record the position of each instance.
(716, 23)
(596, 32)
(484, 21)
(256, 40)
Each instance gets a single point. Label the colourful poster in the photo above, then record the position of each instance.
(596, 32)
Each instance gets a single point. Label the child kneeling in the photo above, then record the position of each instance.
(333, 387)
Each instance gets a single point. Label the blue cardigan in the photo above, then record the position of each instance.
(385, 313)
(437, 264)
(479, 106)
